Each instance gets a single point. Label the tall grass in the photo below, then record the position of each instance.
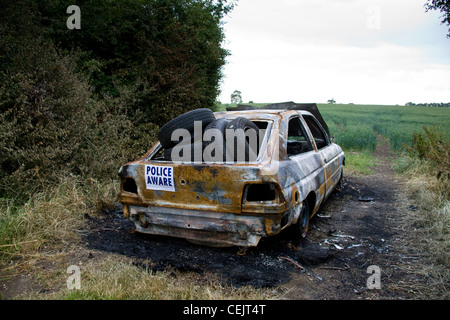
(353, 136)
(427, 169)
(51, 217)
(428, 224)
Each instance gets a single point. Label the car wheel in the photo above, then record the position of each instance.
(302, 224)
(184, 121)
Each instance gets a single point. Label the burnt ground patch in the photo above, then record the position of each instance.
(353, 230)
(258, 267)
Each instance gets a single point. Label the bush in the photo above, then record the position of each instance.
(83, 102)
(432, 147)
(44, 107)
(51, 124)
(167, 52)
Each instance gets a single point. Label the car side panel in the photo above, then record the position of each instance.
(331, 161)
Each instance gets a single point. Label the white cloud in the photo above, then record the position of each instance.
(311, 51)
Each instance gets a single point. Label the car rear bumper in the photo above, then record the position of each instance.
(211, 228)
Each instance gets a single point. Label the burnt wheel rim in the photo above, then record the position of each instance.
(303, 220)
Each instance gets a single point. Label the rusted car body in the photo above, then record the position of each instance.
(237, 203)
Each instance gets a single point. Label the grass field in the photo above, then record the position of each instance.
(355, 127)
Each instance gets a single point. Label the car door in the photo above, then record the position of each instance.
(307, 163)
(327, 152)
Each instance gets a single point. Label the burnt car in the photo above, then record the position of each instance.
(220, 196)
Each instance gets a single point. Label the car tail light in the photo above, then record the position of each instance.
(263, 198)
(260, 192)
(129, 185)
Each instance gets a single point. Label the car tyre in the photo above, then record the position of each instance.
(184, 121)
(244, 124)
(302, 225)
(221, 125)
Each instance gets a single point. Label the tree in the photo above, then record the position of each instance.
(236, 97)
(331, 101)
(444, 7)
(166, 54)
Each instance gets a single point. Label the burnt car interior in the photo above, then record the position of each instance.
(298, 141)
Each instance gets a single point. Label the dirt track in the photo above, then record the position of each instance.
(356, 228)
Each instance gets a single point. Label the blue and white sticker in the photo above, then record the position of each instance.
(159, 178)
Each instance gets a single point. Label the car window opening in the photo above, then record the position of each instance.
(165, 154)
(318, 133)
(297, 141)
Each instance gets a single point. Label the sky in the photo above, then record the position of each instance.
(353, 51)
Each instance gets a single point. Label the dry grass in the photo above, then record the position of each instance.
(51, 217)
(107, 276)
(117, 278)
(429, 220)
